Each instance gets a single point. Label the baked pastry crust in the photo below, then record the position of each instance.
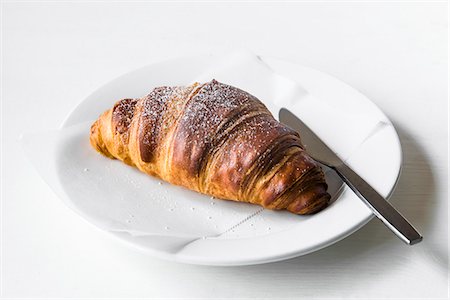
(215, 139)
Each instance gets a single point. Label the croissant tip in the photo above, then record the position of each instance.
(94, 133)
(313, 206)
(317, 205)
(96, 140)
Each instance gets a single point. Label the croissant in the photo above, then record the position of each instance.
(215, 139)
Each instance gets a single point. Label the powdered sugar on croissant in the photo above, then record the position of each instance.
(215, 139)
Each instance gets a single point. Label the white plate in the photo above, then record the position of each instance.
(377, 160)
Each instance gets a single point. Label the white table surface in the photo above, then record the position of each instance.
(56, 54)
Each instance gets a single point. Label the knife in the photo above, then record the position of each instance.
(320, 152)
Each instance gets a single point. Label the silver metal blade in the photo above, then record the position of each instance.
(315, 147)
(318, 150)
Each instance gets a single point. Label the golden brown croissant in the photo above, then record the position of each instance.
(215, 139)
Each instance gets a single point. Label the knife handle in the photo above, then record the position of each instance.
(380, 207)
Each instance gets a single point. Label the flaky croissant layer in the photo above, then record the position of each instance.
(215, 139)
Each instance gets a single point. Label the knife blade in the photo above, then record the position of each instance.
(320, 151)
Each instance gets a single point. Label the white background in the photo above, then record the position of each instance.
(56, 54)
